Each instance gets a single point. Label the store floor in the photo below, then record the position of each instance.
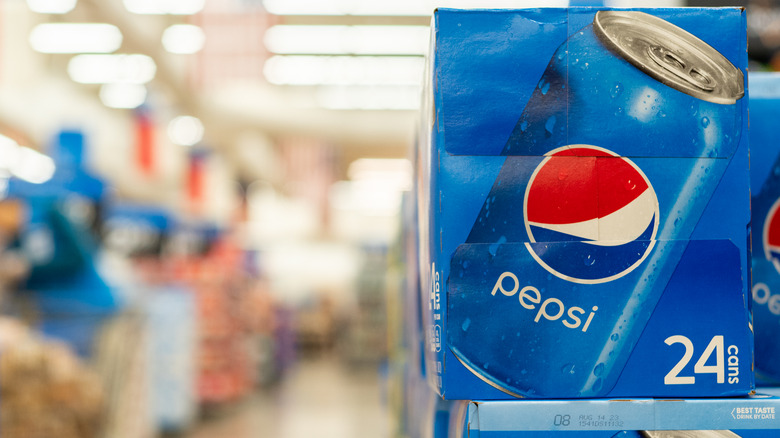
(318, 398)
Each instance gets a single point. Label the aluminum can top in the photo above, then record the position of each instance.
(671, 55)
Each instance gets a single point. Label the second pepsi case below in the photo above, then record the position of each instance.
(584, 204)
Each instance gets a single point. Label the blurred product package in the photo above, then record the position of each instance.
(45, 390)
(584, 204)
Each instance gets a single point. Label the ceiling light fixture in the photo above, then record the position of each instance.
(160, 7)
(104, 69)
(183, 39)
(75, 38)
(51, 6)
(344, 70)
(185, 130)
(347, 40)
(123, 95)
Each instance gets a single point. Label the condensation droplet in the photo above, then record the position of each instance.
(550, 124)
(616, 90)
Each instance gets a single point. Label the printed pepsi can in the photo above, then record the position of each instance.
(588, 246)
(765, 190)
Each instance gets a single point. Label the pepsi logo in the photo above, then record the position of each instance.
(772, 235)
(591, 215)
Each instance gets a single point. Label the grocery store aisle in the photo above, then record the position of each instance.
(319, 398)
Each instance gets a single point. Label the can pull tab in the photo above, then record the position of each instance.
(673, 63)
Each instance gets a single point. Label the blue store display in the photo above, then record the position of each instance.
(70, 296)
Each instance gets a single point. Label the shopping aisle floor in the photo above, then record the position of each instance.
(319, 398)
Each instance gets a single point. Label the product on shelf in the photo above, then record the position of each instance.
(222, 296)
(765, 190)
(584, 204)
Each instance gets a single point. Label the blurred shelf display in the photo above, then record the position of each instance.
(365, 340)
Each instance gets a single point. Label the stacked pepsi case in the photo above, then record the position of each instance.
(584, 204)
(765, 189)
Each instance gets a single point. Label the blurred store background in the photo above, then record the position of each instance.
(200, 211)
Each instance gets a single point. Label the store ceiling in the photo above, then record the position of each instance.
(232, 109)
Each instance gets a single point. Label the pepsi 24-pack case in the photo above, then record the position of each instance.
(584, 204)
(765, 191)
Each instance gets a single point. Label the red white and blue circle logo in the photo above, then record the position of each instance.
(591, 215)
(772, 235)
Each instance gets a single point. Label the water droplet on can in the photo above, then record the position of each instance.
(616, 90)
(550, 124)
(523, 125)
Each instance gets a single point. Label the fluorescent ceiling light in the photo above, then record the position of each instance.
(33, 166)
(75, 38)
(394, 8)
(369, 97)
(185, 130)
(122, 95)
(51, 6)
(105, 69)
(158, 7)
(344, 70)
(355, 40)
(183, 39)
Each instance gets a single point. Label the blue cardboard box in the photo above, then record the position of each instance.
(765, 192)
(757, 416)
(584, 204)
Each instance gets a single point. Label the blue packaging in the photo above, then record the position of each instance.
(584, 204)
(756, 416)
(765, 190)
